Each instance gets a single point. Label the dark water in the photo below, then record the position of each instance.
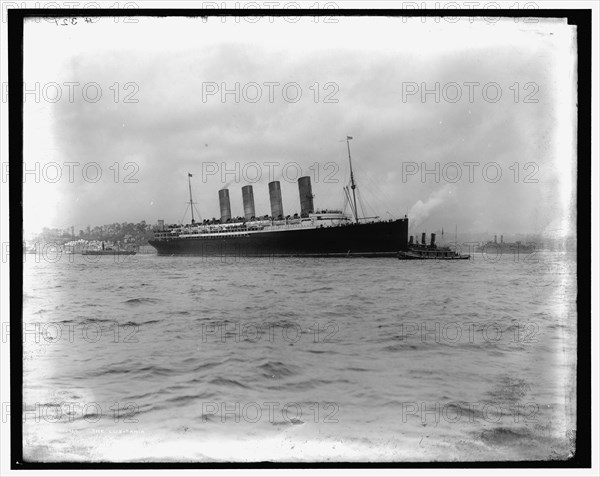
(166, 358)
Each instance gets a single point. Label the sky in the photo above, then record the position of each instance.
(491, 101)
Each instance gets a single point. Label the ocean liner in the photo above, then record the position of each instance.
(313, 233)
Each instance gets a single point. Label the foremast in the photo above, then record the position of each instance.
(191, 201)
(352, 183)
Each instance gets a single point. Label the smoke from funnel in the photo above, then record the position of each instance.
(421, 211)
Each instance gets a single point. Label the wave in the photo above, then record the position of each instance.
(505, 435)
(96, 320)
(228, 383)
(276, 370)
(401, 347)
(185, 399)
(316, 290)
(286, 422)
(138, 301)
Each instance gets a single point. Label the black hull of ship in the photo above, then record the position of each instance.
(378, 239)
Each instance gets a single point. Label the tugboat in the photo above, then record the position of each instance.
(423, 251)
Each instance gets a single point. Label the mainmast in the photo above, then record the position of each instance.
(191, 201)
(353, 185)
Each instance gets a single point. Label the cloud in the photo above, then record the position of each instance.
(173, 129)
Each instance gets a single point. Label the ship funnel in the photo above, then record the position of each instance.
(423, 239)
(495, 239)
(501, 238)
(275, 196)
(306, 196)
(410, 240)
(432, 240)
(248, 198)
(225, 205)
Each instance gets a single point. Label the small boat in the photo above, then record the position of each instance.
(28, 248)
(108, 250)
(422, 251)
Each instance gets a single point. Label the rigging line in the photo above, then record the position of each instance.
(348, 204)
(345, 174)
(360, 203)
(374, 185)
(347, 200)
(369, 211)
(197, 211)
(345, 205)
(184, 214)
(353, 186)
(383, 196)
(346, 179)
(366, 207)
(352, 205)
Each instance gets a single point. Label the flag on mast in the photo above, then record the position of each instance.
(189, 175)
(349, 137)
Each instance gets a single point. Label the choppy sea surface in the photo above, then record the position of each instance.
(151, 358)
